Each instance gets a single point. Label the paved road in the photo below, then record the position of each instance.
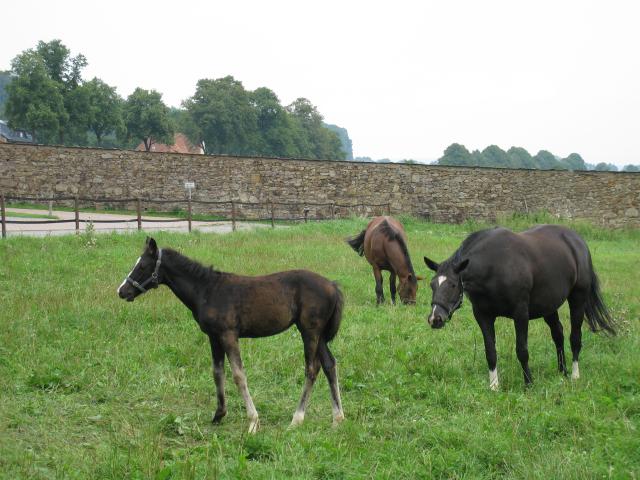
(44, 229)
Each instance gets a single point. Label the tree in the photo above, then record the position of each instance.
(547, 161)
(146, 117)
(606, 167)
(631, 168)
(50, 64)
(103, 109)
(35, 101)
(222, 117)
(520, 158)
(310, 135)
(494, 156)
(456, 154)
(274, 125)
(574, 162)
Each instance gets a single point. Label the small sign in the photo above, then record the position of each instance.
(189, 185)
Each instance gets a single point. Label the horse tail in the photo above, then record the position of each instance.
(357, 242)
(597, 313)
(331, 329)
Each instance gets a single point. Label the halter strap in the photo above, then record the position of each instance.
(455, 307)
(153, 278)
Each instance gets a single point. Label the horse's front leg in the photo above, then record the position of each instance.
(487, 326)
(392, 286)
(379, 292)
(217, 354)
(232, 349)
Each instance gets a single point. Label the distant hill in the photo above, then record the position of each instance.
(342, 133)
(5, 78)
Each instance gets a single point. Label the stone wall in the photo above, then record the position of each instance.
(443, 194)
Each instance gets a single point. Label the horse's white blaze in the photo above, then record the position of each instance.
(575, 371)
(125, 278)
(431, 317)
(441, 279)
(493, 379)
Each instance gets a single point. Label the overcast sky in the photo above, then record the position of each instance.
(406, 79)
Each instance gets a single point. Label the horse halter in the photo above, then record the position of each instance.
(152, 279)
(456, 305)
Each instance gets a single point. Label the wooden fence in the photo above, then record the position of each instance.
(227, 210)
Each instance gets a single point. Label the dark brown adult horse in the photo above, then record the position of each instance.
(228, 307)
(521, 276)
(384, 244)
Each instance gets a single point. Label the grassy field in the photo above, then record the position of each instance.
(94, 387)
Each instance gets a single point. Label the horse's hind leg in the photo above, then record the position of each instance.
(230, 343)
(521, 322)
(558, 338)
(576, 309)
(392, 286)
(312, 366)
(217, 352)
(328, 362)
(379, 292)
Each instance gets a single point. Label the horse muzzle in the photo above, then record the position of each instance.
(435, 321)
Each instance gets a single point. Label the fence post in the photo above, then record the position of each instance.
(233, 216)
(273, 215)
(306, 214)
(139, 212)
(189, 212)
(389, 209)
(77, 212)
(4, 217)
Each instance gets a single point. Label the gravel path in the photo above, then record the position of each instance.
(44, 229)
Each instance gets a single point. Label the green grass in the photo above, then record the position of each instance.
(94, 387)
(30, 215)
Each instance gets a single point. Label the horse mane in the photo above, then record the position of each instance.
(459, 254)
(192, 267)
(394, 236)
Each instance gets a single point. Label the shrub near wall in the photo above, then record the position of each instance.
(443, 194)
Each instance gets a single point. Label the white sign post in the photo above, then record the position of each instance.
(189, 186)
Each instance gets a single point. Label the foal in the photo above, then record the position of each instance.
(228, 307)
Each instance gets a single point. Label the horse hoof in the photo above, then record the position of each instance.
(254, 425)
(296, 420)
(218, 416)
(337, 420)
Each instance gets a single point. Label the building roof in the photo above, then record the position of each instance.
(181, 144)
(10, 135)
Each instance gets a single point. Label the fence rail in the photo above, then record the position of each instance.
(225, 210)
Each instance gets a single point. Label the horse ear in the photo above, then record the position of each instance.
(461, 266)
(152, 246)
(431, 264)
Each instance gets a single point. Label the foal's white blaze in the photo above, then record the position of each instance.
(441, 279)
(575, 371)
(125, 278)
(493, 379)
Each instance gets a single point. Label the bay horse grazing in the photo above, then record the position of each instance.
(521, 276)
(384, 244)
(228, 307)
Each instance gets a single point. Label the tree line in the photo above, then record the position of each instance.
(45, 94)
(518, 157)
